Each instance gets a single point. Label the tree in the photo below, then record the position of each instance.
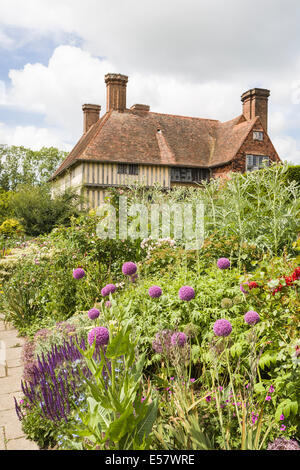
(20, 165)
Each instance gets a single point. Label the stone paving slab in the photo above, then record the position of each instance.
(21, 444)
(15, 372)
(11, 423)
(7, 401)
(13, 354)
(10, 385)
(11, 434)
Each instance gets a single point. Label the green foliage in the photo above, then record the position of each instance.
(293, 173)
(117, 417)
(20, 165)
(6, 209)
(11, 228)
(252, 219)
(39, 213)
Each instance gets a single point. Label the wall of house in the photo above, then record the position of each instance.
(99, 177)
(249, 147)
(72, 177)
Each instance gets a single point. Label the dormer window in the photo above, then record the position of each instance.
(256, 162)
(258, 135)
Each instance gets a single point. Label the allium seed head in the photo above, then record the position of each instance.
(129, 268)
(222, 327)
(251, 317)
(178, 339)
(186, 293)
(108, 289)
(223, 263)
(93, 313)
(102, 336)
(78, 273)
(155, 291)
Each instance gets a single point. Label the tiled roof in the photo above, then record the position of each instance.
(151, 138)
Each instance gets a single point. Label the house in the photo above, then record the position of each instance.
(128, 145)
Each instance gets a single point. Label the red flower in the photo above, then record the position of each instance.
(253, 285)
(288, 280)
(296, 274)
(277, 289)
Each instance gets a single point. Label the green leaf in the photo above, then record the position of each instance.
(121, 426)
(144, 427)
(118, 346)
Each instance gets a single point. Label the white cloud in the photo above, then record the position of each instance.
(191, 58)
(288, 148)
(33, 137)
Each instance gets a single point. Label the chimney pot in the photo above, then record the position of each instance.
(255, 103)
(116, 91)
(140, 107)
(91, 114)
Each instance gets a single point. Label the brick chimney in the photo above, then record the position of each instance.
(91, 114)
(116, 91)
(255, 103)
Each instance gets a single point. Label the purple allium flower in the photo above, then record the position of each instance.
(93, 313)
(242, 287)
(251, 317)
(78, 273)
(283, 444)
(178, 339)
(102, 336)
(129, 268)
(108, 289)
(155, 291)
(222, 327)
(223, 263)
(108, 304)
(186, 293)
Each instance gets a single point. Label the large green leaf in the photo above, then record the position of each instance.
(118, 346)
(121, 426)
(144, 427)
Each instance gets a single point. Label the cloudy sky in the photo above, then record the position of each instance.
(187, 57)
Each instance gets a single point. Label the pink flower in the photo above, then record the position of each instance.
(281, 417)
(282, 428)
(271, 389)
(143, 399)
(268, 398)
(192, 380)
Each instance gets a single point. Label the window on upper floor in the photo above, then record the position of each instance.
(128, 169)
(255, 162)
(189, 175)
(258, 135)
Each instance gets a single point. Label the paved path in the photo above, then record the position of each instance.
(11, 434)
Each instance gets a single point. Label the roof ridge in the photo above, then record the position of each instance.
(184, 117)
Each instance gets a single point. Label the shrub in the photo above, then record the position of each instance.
(11, 228)
(39, 212)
